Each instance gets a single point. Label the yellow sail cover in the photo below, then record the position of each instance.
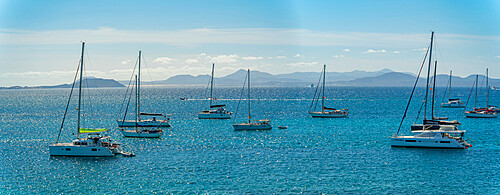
(88, 130)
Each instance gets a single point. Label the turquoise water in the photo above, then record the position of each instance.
(349, 155)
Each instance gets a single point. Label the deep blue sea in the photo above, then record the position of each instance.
(331, 156)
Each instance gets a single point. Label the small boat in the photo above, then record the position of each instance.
(481, 112)
(141, 132)
(452, 102)
(94, 144)
(282, 127)
(325, 111)
(183, 98)
(434, 132)
(157, 120)
(251, 124)
(215, 111)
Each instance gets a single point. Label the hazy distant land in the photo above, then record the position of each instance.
(382, 78)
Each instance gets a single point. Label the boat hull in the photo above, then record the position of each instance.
(214, 116)
(157, 123)
(79, 151)
(480, 115)
(328, 115)
(251, 127)
(140, 134)
(414, 142)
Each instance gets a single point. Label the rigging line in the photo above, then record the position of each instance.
(128, 104)
(446, 90)
(129, 86)
(206, 94)
(241, 96)
(412, 91)
(473, 84)
(316, 91)
(67, 104)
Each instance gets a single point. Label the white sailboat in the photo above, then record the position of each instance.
(452, 102)
(215, 111)
(94, 144)
(485, 112)
(252, 124)
(161, 121)
(325, 111)
(434, 132)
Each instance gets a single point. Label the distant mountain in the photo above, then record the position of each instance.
(89, 82)
(263, 78)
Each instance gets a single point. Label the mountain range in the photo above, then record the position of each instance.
(382, 78)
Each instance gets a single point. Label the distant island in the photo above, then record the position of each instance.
(381, 78)
(89, 82)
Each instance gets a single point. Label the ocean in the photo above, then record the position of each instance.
(331, 156)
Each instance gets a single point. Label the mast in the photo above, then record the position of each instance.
(433, 90)
(136, 101)
(138, 93)
(475, 96)
(249, 116)
(449, 89)
(80, 91)
(212, 84)
(323, 90)
(487, 90)
(428, 74)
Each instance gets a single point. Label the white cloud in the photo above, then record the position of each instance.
(298, 56)
(302, 64)
(374, 51)
(225, 58)
(126, 61)
(191, 61)
(252, 58)
(396, 52)
(347, 50)
(203, 54)
(420, 49)
(164, 60)
(498, 56)
(280, 57)
(338, 56)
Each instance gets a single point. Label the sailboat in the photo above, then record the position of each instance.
(485, 112)
(452, 102)
(153, 121)
(252, 124)
(325, 111)
(94, 144)
(434, 132)
(219, 111)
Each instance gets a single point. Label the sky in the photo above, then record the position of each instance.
(40, 41)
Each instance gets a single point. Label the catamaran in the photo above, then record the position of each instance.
(434, 132)
(94, 144)
(325, 111)
(156, 119)
(452, 102)
(485, 112)
(252, 124)
(217, 111)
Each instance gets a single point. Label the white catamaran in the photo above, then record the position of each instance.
(215, 111)
(434, 132)
(94, 144)
(325, 111)
(161, 121)
(252, 124)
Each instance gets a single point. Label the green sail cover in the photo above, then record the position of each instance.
(87, 130)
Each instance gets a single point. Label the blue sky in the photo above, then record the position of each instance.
(40, 40)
